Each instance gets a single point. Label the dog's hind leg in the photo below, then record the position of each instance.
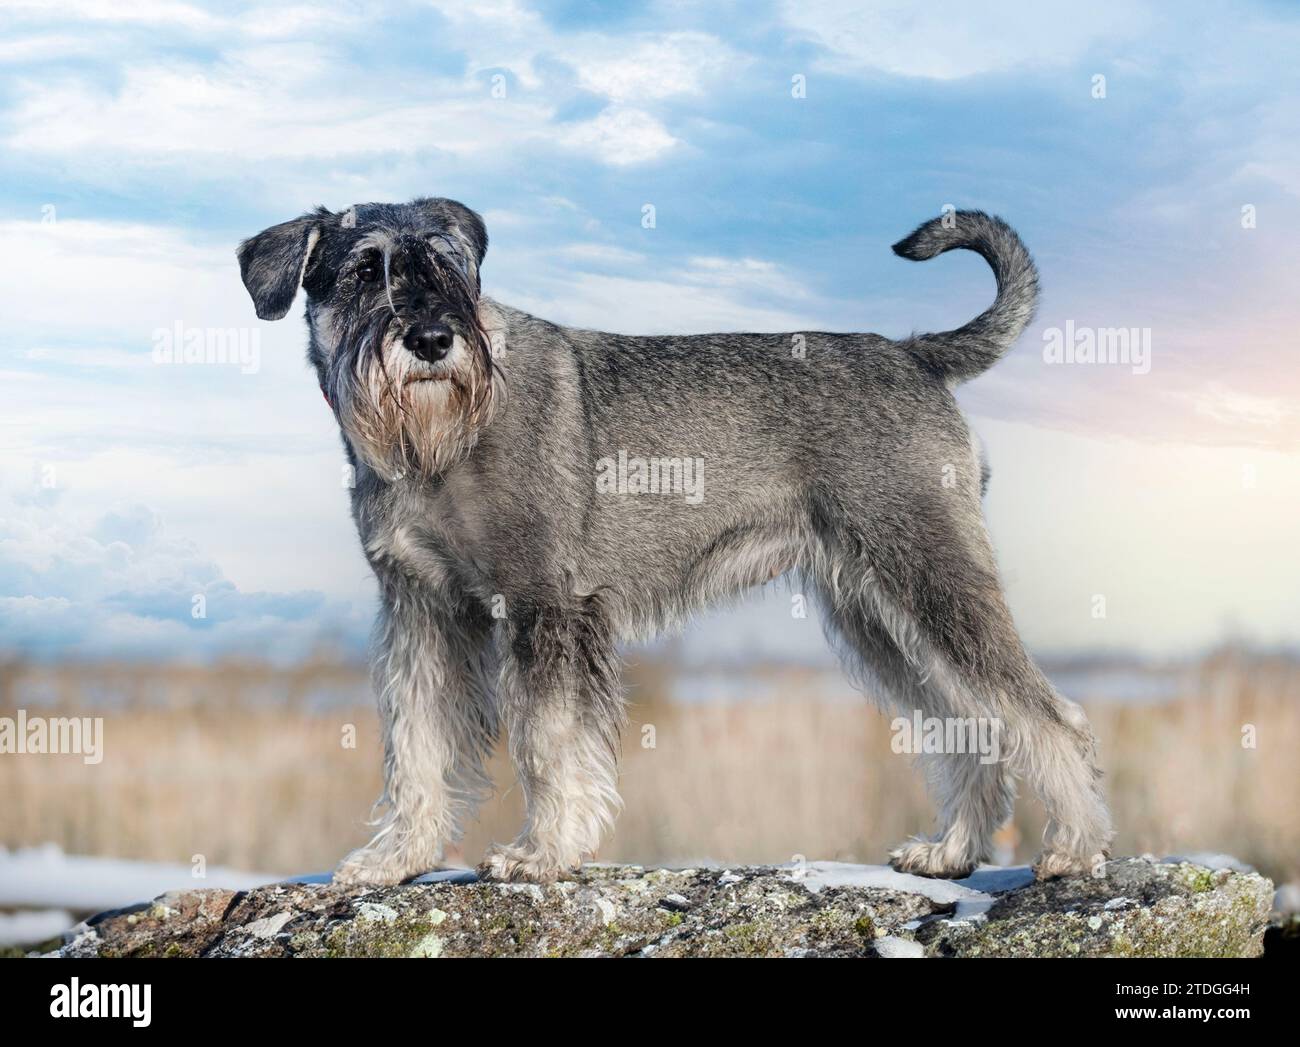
(932, 582)
(431, 676)
(973, 789)
(965, 629)
(562, 707)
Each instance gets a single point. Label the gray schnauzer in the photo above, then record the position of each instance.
(519, 494)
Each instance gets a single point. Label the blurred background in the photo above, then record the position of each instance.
(240, 767)
(176, 552)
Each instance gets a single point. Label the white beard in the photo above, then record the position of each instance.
(401, 427)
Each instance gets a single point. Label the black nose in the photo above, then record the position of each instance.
(429, 342)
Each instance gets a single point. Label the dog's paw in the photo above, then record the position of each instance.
(1051, 864)
(377, 867)
(930, 858)
(517, 865)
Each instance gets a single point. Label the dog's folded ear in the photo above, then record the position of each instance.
(466, 225)
(471, 228)
(272, 263)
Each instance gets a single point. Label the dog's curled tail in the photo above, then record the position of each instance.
(971, 350)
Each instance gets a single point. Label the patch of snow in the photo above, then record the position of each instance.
(28, 928)
(45, 878)
(817, 876)
(892, 947)
(1210, 860)
(972, 910)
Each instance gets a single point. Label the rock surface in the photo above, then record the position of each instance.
(1137, 907)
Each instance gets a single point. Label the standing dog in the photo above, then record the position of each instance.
(528, 495)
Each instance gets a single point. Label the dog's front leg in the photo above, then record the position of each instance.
(562, 707)
(438, 724)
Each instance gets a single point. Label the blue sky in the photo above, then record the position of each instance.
(139, 143)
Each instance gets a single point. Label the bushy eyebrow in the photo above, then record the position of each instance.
(378, 240)
(448, 243)
(383, 243)
(444, 243)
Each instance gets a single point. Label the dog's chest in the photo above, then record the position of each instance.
(417, 531)
(408, 547)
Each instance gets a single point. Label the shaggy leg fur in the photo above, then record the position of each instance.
(974, 798)
(563, 710)
(439, 727)
(937, 631)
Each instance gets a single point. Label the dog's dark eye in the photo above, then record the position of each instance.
(368, 272)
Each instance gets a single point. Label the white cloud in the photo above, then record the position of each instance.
(238, 462)
(83, 356)
(274, 107)
(621, 136)
(624, 68)
(117, 583)
(948, 39)
(753, 276)
(653, 305)
(498, 34)
(298, 102)
(268, 20)
(44, 46)
(1270, 150)
(144, 12)
(609, 287)
(650, 66)
(1233, 407)
(600, 254)
(283, 88)
(126, 277)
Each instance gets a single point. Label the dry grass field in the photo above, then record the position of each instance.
(248, 766)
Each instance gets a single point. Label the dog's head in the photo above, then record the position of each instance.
(397, 340)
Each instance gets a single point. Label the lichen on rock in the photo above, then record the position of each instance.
(1135, 908)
